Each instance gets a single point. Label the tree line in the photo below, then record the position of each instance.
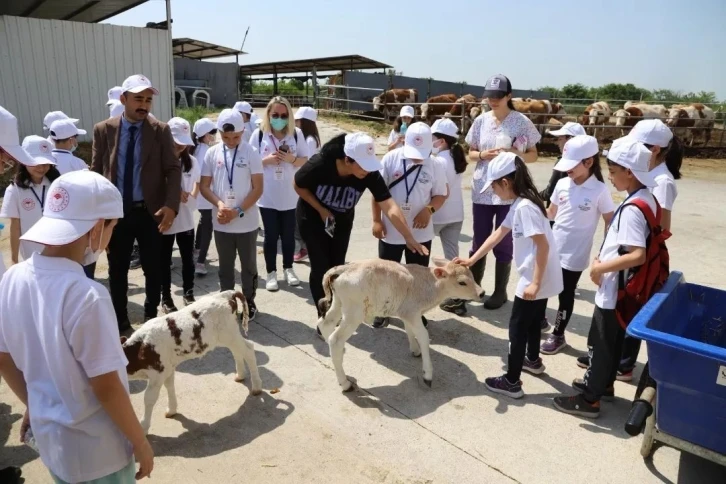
(627, 92)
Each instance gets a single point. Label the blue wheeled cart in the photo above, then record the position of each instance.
(684, 403)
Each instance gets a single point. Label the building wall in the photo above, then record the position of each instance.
(54, 65)
(221, 77)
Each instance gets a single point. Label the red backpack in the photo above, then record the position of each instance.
(647, 279)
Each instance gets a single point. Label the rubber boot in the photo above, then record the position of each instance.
(477, 269)
(501, 279)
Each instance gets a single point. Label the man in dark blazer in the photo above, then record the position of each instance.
(136, 152)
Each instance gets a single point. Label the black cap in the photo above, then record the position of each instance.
(497, 87)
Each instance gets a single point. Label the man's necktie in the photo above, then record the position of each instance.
(129, 167)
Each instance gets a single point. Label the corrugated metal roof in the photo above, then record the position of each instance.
(198, 49)
(322, 64)
(90, 11)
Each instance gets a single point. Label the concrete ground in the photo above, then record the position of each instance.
(393, 429)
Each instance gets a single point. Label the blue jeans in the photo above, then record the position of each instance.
(127, 475)
(279, 224)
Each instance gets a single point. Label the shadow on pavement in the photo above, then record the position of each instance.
(12, 452)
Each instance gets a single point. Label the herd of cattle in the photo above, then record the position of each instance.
(688, 121)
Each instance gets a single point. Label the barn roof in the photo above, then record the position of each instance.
(321, 64)
(89, 11)
(198, 49)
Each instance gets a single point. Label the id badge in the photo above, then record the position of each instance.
(230, 199)
(406, 208)
(278, 172)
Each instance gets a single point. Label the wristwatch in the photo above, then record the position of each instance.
(431, 209)
(240, 212)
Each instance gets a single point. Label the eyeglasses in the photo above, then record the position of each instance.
(281, 116)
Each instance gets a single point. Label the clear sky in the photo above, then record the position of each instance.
(671, 44)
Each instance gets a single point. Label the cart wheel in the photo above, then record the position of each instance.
(648, 435)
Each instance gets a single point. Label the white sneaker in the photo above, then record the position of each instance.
(291, 277)
(200, 269)
(271, 282)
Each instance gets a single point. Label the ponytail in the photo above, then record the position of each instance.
(595, 169)
(523, 186)
(674, 157)
(510, 105)
(457, 152)
(186, 160)
(195, 140)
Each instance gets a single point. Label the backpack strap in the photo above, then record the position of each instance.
(653, 220)
(259, 141)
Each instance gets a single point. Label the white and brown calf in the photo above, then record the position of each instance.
(161, 344)
(360, 291)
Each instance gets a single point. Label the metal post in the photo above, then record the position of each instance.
(315, 88)
(428, 88)
(171, 56)
(274, 80)
(463, 116)
(236, 63)
(307, 91)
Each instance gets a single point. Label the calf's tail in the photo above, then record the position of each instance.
(244, 320)
(328, 280)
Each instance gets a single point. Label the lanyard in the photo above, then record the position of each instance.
(230, 171)
(272, 138)
(405, 179)
(615, 214)
(41, 201)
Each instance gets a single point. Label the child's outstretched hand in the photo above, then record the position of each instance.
(463, 262)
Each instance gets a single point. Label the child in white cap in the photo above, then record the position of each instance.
(64, 134)
(204, 136)
(26, 196)
(306, 121)
(563, 135)
(232, 182)
(55, 116)
(60, 352)
(182, 229)
(114, 95)
(536, 260)
(624, 247)
(245, 109)
(398, 133)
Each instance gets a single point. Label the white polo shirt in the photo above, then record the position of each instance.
(665, 191)
(25, 205)
(313, 148)
(423, 183)
(579, 209)
(526, 220)
(63, 332)
(279, 193)
(199, 153)
(393, 137)
(628, 229)
(184, 221)
(246, 163)
(66, 162)
(453, 209)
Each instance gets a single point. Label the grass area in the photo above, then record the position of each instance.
(374, 128)
(195, 113)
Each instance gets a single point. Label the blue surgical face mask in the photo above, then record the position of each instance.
(404, 127)
(278, 124)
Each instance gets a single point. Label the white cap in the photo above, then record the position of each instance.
(579, 148)
(446, 127)
(258, 122)
(55, 116)
(306, 112)
(233, 117)
(40, 149)
(418, 143)
(243, 106)
(137, 83)
(633, 155)
(180, 131)
(361, 148)
(407, 111)
(203, 126)
(501, 166)
(114, 94)
(569, 129)
(116, 109)
(64, 129)
(652, 132)
(76, 201)
(10, 139)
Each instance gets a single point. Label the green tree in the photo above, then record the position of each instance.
(551, 90)
(574, 91)
(622, 92)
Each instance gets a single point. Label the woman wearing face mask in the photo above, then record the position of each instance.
(204, 135)
(283, 150)
(501, 129)
(398, 133)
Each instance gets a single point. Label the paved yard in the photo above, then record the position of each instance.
(393, 429)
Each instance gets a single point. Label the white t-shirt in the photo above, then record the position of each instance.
(246, 163)
(199, 153)
(66, 162)
(453, 209)
(579, 208)
(279, 192)
(431, 182)
(393, 137)
(665, 192)
(313, 148)
(63, 333)
(629, 228)
(24, 204)
(526, 220)
(184, 221)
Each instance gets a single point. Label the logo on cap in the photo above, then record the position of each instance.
(494, 83)
(58, 199)
(370, 150)
(143, 79)
(418, 140)
(28, 204)
(44, 147)
(185, 128)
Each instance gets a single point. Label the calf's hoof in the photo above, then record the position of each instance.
(239, 378)
(170, 414)
(348, 386)
(427, 382)
(416, 354)
(256, 391)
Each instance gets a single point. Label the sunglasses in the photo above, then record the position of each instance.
(281, 116)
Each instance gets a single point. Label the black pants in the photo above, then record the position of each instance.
(325, 252)
(567, 300)
(606, 337)
(524, 332)
(205, 229)
(185, 241)
(279, 224)
(138, 224)
(631, 348)
(90, 270)
(394, 252)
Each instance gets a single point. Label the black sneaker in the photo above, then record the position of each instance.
(577, 405)
(544, 325)
(124, 325)
(456, 306)
(189, 298)
(147, 317)
(379, 322)
(11, 475)
(252, 310)
(583, 361)
(168, 307)
(135, 258)
(535, 367)
(579, 385)
(502, 386)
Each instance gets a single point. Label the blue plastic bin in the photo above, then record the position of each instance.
(684, 326)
